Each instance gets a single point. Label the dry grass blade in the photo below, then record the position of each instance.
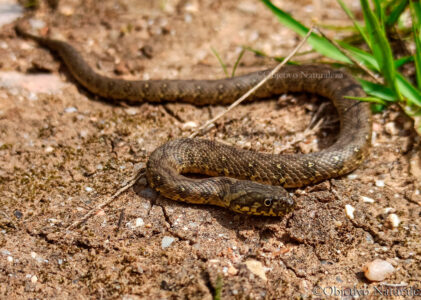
(205, 126)
(93, 211)
(346, 53)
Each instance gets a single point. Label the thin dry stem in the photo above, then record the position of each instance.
(202, 128)
(346, 53)
(93, 211)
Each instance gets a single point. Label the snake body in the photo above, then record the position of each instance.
(243, 181)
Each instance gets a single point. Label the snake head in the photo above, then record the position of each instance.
(254, 198)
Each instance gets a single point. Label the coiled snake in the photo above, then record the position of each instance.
(243, 181)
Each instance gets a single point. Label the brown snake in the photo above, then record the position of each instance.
(250, 182)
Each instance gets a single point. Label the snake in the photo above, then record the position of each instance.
(243, 181)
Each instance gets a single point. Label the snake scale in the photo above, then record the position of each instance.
(241, 180)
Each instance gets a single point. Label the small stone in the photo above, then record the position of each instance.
(66, 10)
(34, 279)
(132, 111)
(415, 165)
(352, 176)
(391, 128)
(167, 241)
(388, 210)
(49, 149)
(139, 222)
(256, 267)
(378, 270)
(393, 220)
(232, 271)
(88, 189)
(349, 210)
(18, 214)
(367, 199)
(189, 125)
(10, 259)
(380, 183)
(70, 109)
(36, 23)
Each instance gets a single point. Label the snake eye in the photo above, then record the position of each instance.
(267, 202)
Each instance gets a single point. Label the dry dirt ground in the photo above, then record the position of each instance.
(63, 151)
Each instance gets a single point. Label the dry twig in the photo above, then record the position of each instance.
(205, 126)
(93, 211)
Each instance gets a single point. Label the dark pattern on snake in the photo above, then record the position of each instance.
(246, 181)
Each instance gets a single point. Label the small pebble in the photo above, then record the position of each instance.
(10, 259)
(139, 222)
(367, 199)
(88, 189)
(352, 176)
(380, 183)
(34, 279)
(70, 109)
(189, 125)
(388, 210)
(393, 220)
(349, 210)
(167, 241)
(256, 267)
(378, 270)
(36, 23)
(232, 271)
(391, 128)
(49, 149)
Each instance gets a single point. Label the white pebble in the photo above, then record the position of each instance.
(189, 125)
(33, 254)
(83, 133)
(49, 149)
(139, 222)
(391, 128)
(70, 109)
(349, 210)
(380, 183)
(34, 279)
(393, 220)
(132, 111)
(352, 176)
(88, 189)
(10, 259)
(378, 270)
(367, 199)
(36, 23)
(388, 210)
(167, 241)
(256, 267)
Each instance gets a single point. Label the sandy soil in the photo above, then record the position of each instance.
(63, 151)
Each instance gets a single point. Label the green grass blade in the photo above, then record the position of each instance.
(378, 90)
(379, 12)
(403, 60)
(357, 25)
(395, 13)
(221, 62)
(411, 93)
(416, 25)
(237, 61)
(320, 44)
(380, 46)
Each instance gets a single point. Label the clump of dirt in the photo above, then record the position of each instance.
(63, 151)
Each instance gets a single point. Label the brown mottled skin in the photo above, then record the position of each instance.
(249, 182)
